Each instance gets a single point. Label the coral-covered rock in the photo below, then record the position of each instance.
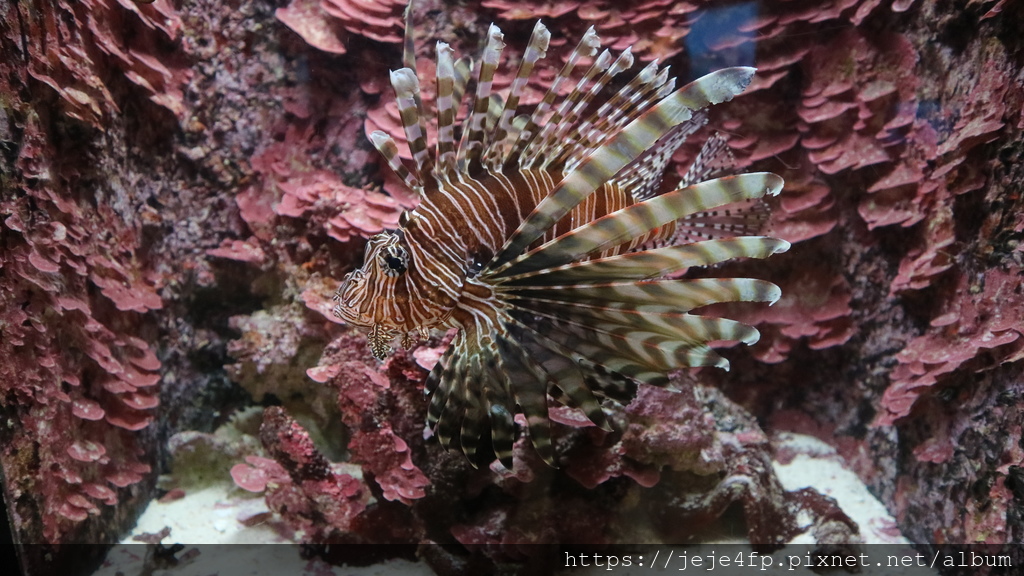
(327, 24)
(74, 47)
(77, 382)
(981, 332)
(314, 497)
(367, 407)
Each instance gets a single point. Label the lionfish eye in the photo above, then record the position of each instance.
(395, 260)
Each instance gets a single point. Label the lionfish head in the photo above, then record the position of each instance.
(376, 295)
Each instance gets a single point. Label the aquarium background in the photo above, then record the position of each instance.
(185, 183)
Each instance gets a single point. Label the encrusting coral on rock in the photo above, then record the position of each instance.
(79, 380)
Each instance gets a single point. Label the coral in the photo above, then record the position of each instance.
(321, 192)
(73, 47)
(239, 250)
(317, 498)
(976, 333)
(258, 473)
(318, 197)
(78, 382)
(662, 429)
(381, 20)
(327, 24)
(310, 20)
(814, 308)
(97, 346)
(375, 417)
(271, 355)
(655, 29)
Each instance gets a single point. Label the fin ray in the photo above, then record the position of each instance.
(619, 151)
(638, 219)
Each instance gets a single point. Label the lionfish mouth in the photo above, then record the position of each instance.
(381, 335)
(345, 308)
(582, 313)
(351, 316)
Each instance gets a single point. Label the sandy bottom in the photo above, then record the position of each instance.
(224, 514)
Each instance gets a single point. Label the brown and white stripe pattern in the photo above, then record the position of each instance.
(541, 237)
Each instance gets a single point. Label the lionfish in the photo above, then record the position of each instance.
(543, 238)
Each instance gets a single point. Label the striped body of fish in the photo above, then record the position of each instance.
(541, 237)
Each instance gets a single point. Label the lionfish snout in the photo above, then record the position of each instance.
(347, 298)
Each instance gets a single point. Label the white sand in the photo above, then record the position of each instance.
(817, 465)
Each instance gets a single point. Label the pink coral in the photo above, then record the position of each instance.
(239, 250)
(317, 499)
(380, 20)
(317, 196)
(77, 381)
(258, 473)
(815, 308)
(309, 19)
(983, 331)
(374, 444)
(922, 265)
(327, 24)
(74, 46)
(653, 28)
(353, 211)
